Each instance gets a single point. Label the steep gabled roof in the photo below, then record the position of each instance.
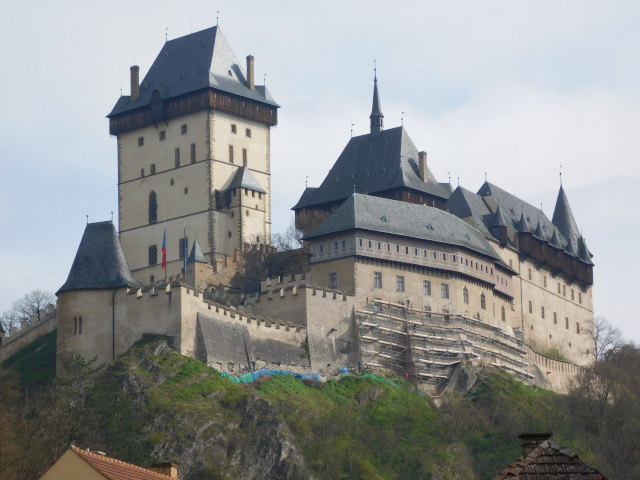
(196, 254)
(243, 178)
(463, 204)
(373, 164)
(305, 198)
(366, 212)
(113, 469)
(549, 461)
(187, 64)
(563, 217)
(100, 261)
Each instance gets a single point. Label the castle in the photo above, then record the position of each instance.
(405, 274)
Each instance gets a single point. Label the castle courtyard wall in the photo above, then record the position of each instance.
(28, 332)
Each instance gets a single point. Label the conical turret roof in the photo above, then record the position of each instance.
(540, 232)
(563, 218)
(555, 239)
(583, 251)
(100, 261)
(196, 254)
(523, 225)
(376, 111)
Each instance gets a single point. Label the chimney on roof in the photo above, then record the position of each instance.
(530, 440)
(135, 82)
(250, 77)
(168, 469)
(422, 166)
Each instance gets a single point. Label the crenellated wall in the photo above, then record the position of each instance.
(28, 332)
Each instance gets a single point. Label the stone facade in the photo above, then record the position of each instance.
(28, 332)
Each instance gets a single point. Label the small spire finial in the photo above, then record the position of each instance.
(375, 70)
(166, 36)
(87, 219)
(306, 181)
(449, 173)
(217, 17)
(354, 188)
(264, 79)
(560, 174)
(402, 119)
(352, 129)
(111, 216)
(485, 176)
(458, 181)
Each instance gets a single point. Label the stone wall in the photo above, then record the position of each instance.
(28, 332)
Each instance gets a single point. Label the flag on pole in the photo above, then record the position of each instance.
(164, 249)
(185, 247)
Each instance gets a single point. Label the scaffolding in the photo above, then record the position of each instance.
(429, 348)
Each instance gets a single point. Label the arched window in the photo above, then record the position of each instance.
(503, 314)
(153, 207)
(483, 302)
(465, 295)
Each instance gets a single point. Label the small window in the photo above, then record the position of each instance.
(427, 311)
(344, 244)
(426, 287)
(564, 290)
(379, 245)
(559, 291)
(424, 253)
(321, 248)
(142, 172)
(415, 251)
(153, 207)
(397, 248)
(544, 281)
(483, 303)
(182, 246)
(360, 242)
(435, 256)
(244, 157)
(572, 296)
(75, 325)
(335, 245)
(400, 283)
(162, 135)
(177, 157)
(465, 295)
(542, 311)
(503, 314)
(454, 259)
(186, 190)
(246, 213)
(230, 153)
(555, 318)
(152, 169)
(377, 279)
(444, 290)
(444, 257)
(510, 263)
(79, 325)
(333, 280)
(579, 297)
(369, 243)
(530, 306)
(529, 274)
(233, 128)
(183, 129)
(193, 153)
(406, 250)
(578, 328)
(153, 254)
(152, 278)
(140, 141)
(247, 132)
(566, 323)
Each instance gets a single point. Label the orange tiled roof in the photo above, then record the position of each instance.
(117, 469)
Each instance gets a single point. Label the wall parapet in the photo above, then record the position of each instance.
(29, 331)
(552, 364)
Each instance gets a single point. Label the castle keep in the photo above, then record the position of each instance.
(404, 275)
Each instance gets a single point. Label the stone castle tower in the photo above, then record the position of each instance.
(193, 155)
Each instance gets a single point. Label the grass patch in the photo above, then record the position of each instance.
(36, 362)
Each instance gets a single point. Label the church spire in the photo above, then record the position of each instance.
(376, 112)
(563, 218)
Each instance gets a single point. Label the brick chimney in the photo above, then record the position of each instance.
(168, 469)
(422, 166)
(135, 82)
(530, 440)
(250, 77)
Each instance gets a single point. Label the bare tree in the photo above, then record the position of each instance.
(607, 338)
(24, 308)
(290, 239)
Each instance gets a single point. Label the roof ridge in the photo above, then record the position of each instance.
(97, 456)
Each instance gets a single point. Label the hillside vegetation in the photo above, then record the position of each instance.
(153, 404)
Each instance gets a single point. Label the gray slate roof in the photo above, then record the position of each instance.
(99, 262)
(563, 218)
(305, 198)
(243, 178)
(187, 64)
(464, 203)
(366, 212)
(375, 163)
(196, 254)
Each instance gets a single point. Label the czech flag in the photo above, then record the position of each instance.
(164, 250)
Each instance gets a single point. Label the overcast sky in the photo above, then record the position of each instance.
(513, 89)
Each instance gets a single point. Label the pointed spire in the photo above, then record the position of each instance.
(583, 252)
(196, 254)
(540, 232)
(555, 238)
(563, 217)
(523, 225)
(376, 112)
(571, 248)
(499, 217)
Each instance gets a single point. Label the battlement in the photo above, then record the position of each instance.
(29, 331)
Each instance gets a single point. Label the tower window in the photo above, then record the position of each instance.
(444, 290)
(530, 306)
(555, 318)
(183, 129)
(483, 303)
(140, 141)
(152, 169)
(426, 287)
(182, 244)
(230, 153)
(566, 323)
(79, 325)
(247, 132)
(542, 311)
(162, 135)
(177, 157)
(153, 207)
(75, 325)
(465, 295)
(400, 283)
(233, 128)
(377, 279)
(333, 280)
(503, 314)
(153, 254)
(244, 157)
(578, 328)
(193, 153)
(142, 172)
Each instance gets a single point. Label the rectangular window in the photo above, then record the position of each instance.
(360, 242)
(153, 254)
(572, 297)
(335, 245)
(193, 153)
(529, 274)
(140, 141)
(435, 256)
(397, 248)
(444, 257)
(321, 248)
(177, 157)
(162, 135)
(152, 167)
(444, 290)
(579, 297)
(377, 279)
(369, 243)
(142, 172)
(454, 259)
(247, 132)
(555, 318)
(445, 313)
(400, 283)
(426, 287)
(542, 311)
(564, 290)
(333, 280)
(230, 153)
(379, 245)
(424, 253)
(559, 291)
(79, 325)
(566, 323)
(578, 328)
(181, 246)
(427, 311)
(233, 128)
(183, 129)
(415, 251)
(244, 157)
(406, 250)
(530, 306)
(75, 325)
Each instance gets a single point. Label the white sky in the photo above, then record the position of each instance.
(513, 89)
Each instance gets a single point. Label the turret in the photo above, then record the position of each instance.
(376, 112)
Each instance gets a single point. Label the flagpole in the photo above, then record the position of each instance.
(164, 251)
(185, 250)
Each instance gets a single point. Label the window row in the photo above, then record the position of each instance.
(555, 317)
(152, 167)
(234, 130)
(162, 135)
(244, 156)
(183, 244)
(562, 289)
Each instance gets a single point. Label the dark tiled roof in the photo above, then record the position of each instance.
(196, 254)
(523, 225)
(305, 198)
(464, 203)
(549, 461)
(187, 64)
(375, 163)
(114, 469)
(100, 261)
(563, 218)
(365, 212)
(243, 178)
